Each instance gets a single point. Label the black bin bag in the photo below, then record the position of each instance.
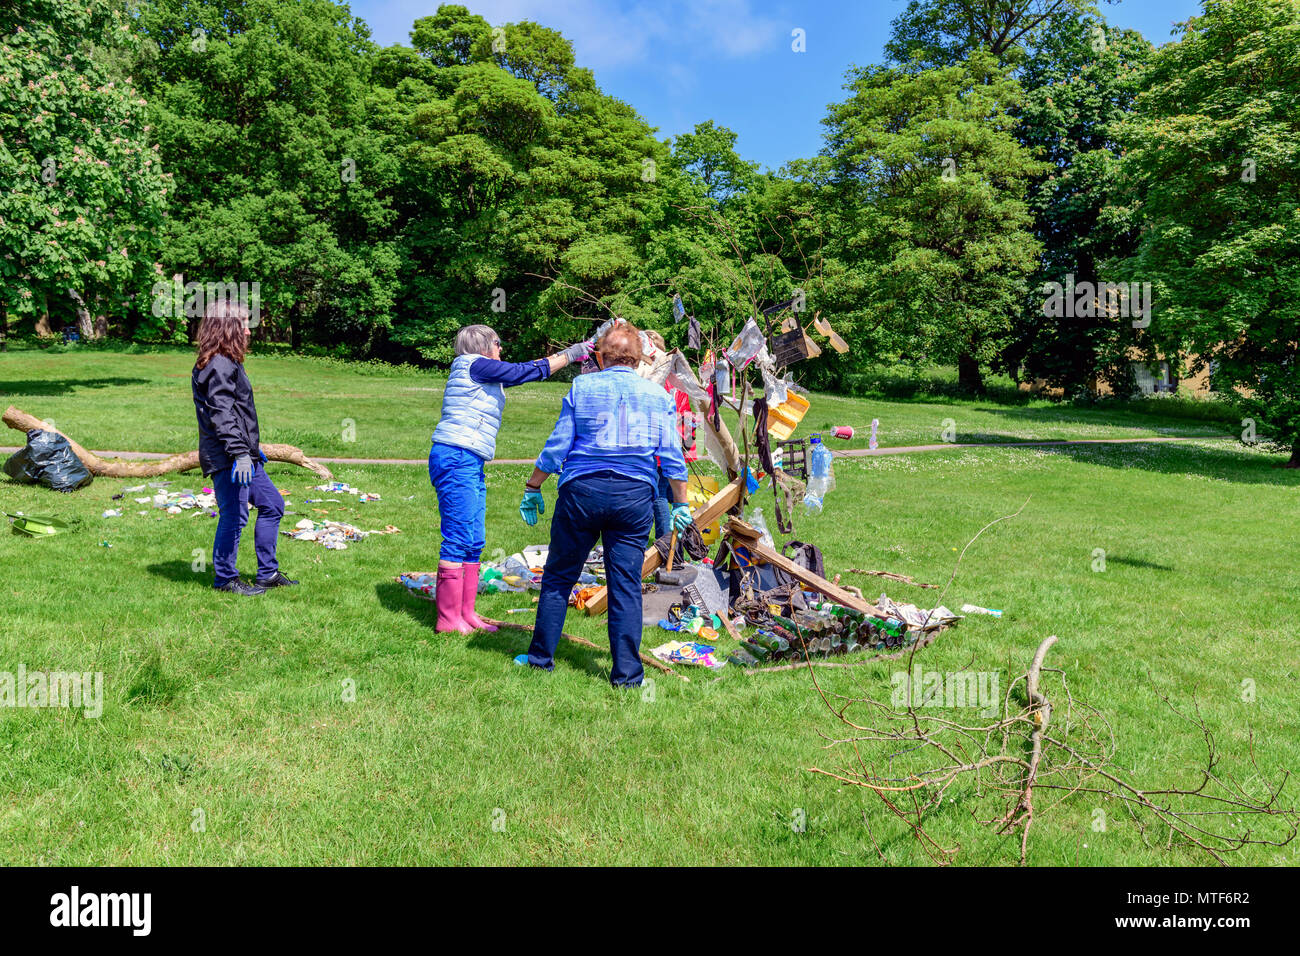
(48, 459)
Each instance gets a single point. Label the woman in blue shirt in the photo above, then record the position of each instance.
(616, 433)
(465, 439)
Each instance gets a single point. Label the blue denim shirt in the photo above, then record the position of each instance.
(615, 420)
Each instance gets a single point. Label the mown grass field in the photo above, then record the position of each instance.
(231, 712)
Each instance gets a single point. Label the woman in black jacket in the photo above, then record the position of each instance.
(229, 452)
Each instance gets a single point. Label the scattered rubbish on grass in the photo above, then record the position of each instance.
(333, 535)
(35, 526)
(688, 652)
(112, 513)
(344, 488)
(976, 609)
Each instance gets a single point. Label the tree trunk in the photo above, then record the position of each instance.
(969, 377)
(18, 419)
(43, 327)
(84, 323)
(1295, 455)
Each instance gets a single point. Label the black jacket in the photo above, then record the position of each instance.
(223, 402)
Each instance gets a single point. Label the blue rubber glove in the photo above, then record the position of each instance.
(262, 455)
(681, 517)
(241, 472)
(532, 506)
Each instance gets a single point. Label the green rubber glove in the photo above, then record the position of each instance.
(532, 506)
(681, 517)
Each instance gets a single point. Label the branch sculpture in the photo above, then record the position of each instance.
(116, 468)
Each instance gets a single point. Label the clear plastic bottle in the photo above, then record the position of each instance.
(760, 525)
(819, 477)
(820, 466)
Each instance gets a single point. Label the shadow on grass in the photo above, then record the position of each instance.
(506, 642)
(1175, 458)
(181, 572)
(1212, 421)
(1138, 563)
(64, 386)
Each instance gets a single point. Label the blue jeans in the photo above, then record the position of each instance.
(457, 476)
(615, 509)
(232, 504)
(663, 506)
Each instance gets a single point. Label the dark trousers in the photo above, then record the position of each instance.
(232, 504)
(618, 511)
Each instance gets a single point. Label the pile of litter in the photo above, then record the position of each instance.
(172, 502)
(827, 630)
(333, 535)
(680, 652)
(342, 487)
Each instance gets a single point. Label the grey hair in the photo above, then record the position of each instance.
(474, 340)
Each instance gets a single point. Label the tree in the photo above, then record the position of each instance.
(81, 191)
(1213, 163)
(1078, 87)
(709, 156)
(526, 191)
(944, 32)
(925, 186)
(261, 111)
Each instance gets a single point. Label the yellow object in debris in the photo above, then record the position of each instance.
(698, 492)
(783, 418)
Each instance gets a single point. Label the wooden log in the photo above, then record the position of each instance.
(117, 468)
(801, 574)
(726, 498)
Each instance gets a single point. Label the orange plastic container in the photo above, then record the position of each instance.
(783, 419)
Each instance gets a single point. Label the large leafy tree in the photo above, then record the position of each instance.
(261, 112)
(1214, 165)
(924, 192)
(1079, 86)
(81, 189)
(526, 191)
(943, 32)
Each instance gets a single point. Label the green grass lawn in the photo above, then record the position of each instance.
(141, 402)
(234, 707)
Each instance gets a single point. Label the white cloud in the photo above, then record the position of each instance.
(614, 33)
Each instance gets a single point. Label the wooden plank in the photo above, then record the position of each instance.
(726, 498)
(833, 591)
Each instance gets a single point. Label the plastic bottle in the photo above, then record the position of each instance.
(821, 464)
(820, 477)
(760, 525)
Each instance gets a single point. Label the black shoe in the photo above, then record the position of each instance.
(277, 580)
(238, 586)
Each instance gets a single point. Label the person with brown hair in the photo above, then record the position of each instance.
(615, 432)
(228, 447)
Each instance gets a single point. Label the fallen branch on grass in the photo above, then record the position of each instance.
(17, 419)
(1066, 747)
(902, 578)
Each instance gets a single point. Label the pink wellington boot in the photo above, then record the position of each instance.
(468, 594)
(448, 597)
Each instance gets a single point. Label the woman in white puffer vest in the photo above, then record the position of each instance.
(463, 441)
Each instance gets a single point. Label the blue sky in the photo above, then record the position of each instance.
(680, 62)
